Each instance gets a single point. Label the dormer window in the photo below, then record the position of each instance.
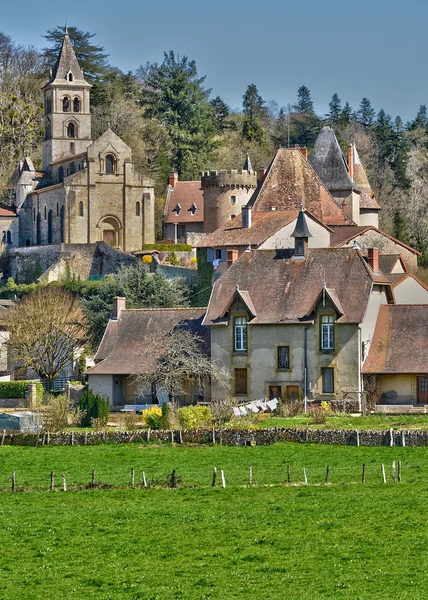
(110, 164)
(327, 332)
(76, 105)
(192, 209)
(177, 209)
(65, 104)
(240, 334)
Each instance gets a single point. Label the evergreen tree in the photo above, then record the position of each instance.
(304, 101)
(393, 147)
(421, 121)
(281, 129)
(335, 106)
(173, 93)
(346, 114)
(254, 111)
(365, 114)
(221, 110)
(92, 59)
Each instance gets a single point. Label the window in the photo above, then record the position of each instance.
(48, 108)
(70, 76)
(241, 381)
(57, 209)
(137, 209)
(283, 357)
(240, 334)
(48, 129)
(327, 332)
(65, 104)
(80, 209)
(71, 130)
(60, 175)
(177, 209)
(71, 168)
(46, 213)
(34, 215)
(76, 105)
(9, 237)
(422, 384)
(299, 247)
(181, 231)
(217, 254)
(192, 209)
(327, 380)
(233, 199)
(110, 164)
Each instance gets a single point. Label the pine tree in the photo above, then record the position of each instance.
(393, 147)
(335, 106)
(304, 101)
(346, 114)
(221, 110)
(421, 121)
(365, 114)
(254, 111)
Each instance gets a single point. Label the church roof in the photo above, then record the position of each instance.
(328, 161)
(67, 63)
(291, 181)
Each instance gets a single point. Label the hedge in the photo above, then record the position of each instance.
(168, 247)
(18, 389)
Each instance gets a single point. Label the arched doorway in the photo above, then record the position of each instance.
(111, 231)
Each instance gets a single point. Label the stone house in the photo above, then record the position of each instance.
(183, 211)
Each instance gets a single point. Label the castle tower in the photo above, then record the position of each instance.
(225, 193)
(67, 121)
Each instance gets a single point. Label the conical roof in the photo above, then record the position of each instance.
(67, 63)
(367, 198)
(247, 164)
(329, 163)
(301, 230)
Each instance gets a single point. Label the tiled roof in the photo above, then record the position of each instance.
(186, 194)
(342, 235)
(7, 211)
(284, 289)
(125, 348)
(367, 197)
(290, 181)
(400, 340)
(328, 161)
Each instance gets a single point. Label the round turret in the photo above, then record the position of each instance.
(225, 193)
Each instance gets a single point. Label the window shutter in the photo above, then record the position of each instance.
(210, 255)
(223, 254)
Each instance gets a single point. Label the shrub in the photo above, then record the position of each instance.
(147, 258)
(191, 417)
(18, 389)
(292, 408)
(58, 412)
(153, 417)
(172, 259)
(193, 261)
(168, 247)
(319, 412)
(222, 411)
(130, 420)
(95, 407)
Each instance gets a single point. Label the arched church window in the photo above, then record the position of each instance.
(60, 175)
(71, 168)
(71, 130)
(137, 209)
(34, 215)
(70, 76)
(65, 104)
(76, 105)
(57, 209)
(80, 209)
(46, 213)
(110, 164)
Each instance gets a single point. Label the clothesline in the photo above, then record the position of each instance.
(256, 406)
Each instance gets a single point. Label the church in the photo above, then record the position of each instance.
(88, 191)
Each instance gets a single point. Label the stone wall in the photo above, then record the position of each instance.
(171, 272)
(228, 437)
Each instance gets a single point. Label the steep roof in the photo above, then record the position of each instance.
(66, 62)
(328, 161)
(7, 211)
(285, 290)
(343, 235)
(126, 348)
(400, 340)
(367, 197)
(190, 197)
(290, 181)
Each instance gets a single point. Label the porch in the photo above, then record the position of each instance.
(402, 393)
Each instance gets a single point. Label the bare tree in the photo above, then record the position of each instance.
(46, 329)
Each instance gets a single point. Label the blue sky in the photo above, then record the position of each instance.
(367, 48)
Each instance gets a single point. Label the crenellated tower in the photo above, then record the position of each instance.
(225, 193)
(67, 117)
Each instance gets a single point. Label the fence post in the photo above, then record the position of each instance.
(288, 474)
(399, 470)
(213, 434)
(251, 474)
(383, 473)
(327, 473)
(132, 477)
(391, 437)
(358, 437)
(13, 481)
(403, 438)
(214, 476)
(52, 488)
(64, 483)
(305, 476)
(144, 480)
(393, 471)
(32, 395)
(223, 480)
(3, 436)
(363, 474)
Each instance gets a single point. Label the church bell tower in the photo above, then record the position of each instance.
(67, 117)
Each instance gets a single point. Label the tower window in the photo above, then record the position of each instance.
(110, 164)
(46, 213)
(70, 76)
(80, 209)
(9, 237)
(233, 199)
(34, 215)
(71, 168)
(137, 209)
(76, 105)
(65, 104)
(57, 209)
(60, 175)
(48, 107)
(71, 130)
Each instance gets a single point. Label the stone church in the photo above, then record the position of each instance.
(88, 191)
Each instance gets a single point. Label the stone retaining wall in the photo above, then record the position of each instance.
(228, 437)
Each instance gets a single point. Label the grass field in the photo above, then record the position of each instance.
(373, 422)
(344, 540)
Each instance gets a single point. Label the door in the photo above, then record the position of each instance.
(422, 395)
(108, 236)
(274, 392)
(292, 393)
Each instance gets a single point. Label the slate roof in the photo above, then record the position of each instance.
(342, 235)
(125, 348)
(400, 340)
(367, 197)
(328, 161)
(285, 290)
(185, 193)
(290, 181)
(66, 62)
(301, 230)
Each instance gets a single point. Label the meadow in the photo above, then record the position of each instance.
(269, 540)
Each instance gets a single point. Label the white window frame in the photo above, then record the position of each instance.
(327, 332)
(240, 334)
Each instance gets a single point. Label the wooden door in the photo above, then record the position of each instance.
(422, 394)
(292, 393)
(108, 236)
(274, 392)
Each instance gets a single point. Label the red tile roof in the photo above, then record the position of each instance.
(343, 234)
(185, 193)
(400, 340)
(7, 211)
(290, 181)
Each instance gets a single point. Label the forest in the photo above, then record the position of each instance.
(164, 112)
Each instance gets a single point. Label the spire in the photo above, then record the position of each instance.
(328, 161)
(247, 164)
(301, 230)
(67, 68)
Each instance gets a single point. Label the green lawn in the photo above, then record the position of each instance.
(374, 422)
(270, 541)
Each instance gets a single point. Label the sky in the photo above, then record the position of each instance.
(365, 48)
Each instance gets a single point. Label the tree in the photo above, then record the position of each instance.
(221, 110)
(335, 106)
(365, 114)
(346, 114)
(181, 362)
(421, 121)
(304, 101)
(46, 329)
(254, 110)
(173, 93)
(92, 59)
(392, 146)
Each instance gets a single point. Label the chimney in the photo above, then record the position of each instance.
(373, 259)
(304, 152)
(261, 173)
(246, 217)
(118, 305)
(351, 161)
(232, 255)
(173, 178)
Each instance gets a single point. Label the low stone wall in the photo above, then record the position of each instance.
(12, 402)
(228, 437)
